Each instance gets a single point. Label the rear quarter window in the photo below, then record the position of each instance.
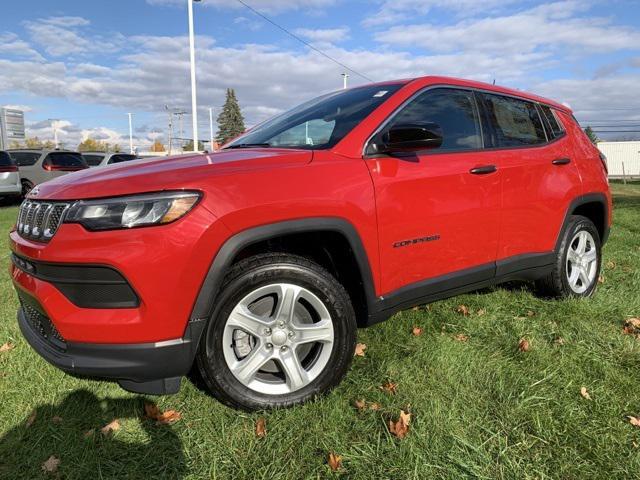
(93, 160)
(515, 122)
(65, 159)
(121, 158)
(554, 126)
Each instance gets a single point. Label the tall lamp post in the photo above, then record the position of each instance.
(192, 54)
(130, 134)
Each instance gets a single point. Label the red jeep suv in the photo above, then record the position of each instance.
(252, 268)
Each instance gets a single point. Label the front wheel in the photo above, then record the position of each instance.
(27, 186)
(284, 331)
(577, 267)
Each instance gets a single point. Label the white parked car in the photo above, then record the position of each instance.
(37, 166)
(101, 159)
(10, 185)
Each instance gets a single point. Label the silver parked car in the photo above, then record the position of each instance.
(10, 185)
(37, 166)
(101, 159)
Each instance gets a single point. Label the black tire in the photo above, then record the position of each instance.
(260, 271)
(556, 284)
(27, 186)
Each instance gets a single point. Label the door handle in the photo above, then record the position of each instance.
(561, 161)
(484, 170)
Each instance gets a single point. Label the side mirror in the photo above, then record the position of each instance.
(411, 138)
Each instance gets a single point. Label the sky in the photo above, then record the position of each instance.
(88, 63)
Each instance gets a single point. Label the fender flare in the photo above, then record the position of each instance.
(582, 200)
(205, 301)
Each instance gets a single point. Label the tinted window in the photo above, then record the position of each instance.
(554, 128)
(93, 160)
(65, 159)
(6, 160)
(515, 122)
(320, 123)
(25, 159)
(122, 157)
(453, 110)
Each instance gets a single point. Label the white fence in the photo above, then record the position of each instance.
(623, 158)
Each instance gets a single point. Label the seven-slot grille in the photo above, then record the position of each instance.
(40, 220)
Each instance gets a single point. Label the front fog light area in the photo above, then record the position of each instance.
(132, 211)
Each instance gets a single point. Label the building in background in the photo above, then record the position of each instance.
(623, 158)
(11, 127)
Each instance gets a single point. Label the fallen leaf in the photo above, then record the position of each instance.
(360, 404)
(389, 387)
(416, 332)
(523, 345)
(584, 393)
(374, 406)
(415, 309)
(400, 428)
(635, 421)
(601, 279)
(531, 313)
(463, 310)
(481, 312)
(360, 348)
(461, 337)
(335, 461)
(56, 419)
(31, 419)
(110, 427)
(261, 428)
(7, 347)
(88, 433)
(559, 341)
(51, 464)
(152, 412)
(611, 265)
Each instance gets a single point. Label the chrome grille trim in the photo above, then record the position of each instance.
(40, 220)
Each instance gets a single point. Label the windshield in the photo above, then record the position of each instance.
(320, 123)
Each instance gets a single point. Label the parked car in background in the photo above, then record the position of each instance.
(10, 185)
(101, 159)
(251, 268)
(37, 166)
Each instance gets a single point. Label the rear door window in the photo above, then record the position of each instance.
(93, 160)
(25, 159)
(515, 122)
(121, 157)
(453, 110)
(554, 127)
(65, 160)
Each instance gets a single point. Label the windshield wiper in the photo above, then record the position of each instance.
(249, 145)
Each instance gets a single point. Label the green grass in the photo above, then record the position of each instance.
(479, 408)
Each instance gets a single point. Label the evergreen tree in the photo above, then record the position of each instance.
(188, 147)
(230, 120)
(592, 135)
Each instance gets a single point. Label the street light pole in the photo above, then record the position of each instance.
(345, 77)
(130, 134)
(192, 54)
(211, 129)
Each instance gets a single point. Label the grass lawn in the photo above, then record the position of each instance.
(480, 407)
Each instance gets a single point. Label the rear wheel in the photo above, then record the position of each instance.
(283, 331)
(578, 259)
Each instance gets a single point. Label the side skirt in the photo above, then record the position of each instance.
(521, 267)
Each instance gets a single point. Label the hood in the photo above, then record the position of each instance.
(166, 173)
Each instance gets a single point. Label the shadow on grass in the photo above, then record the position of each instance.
(62, 430)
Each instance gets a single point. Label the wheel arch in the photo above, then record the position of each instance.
(248, 241)
(594, 206)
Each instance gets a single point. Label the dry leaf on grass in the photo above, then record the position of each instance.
(559, 341)
(461, 337)
(481, 312)
(111, 427)
(360, 348)
(31, 419)
(400, 428)
(360, 404)
(584, 393)
(7, 347)
(374, 406)
(531, 313)
(601, 279)
(51, 464)
(416, 331)
(524, 345)
(152, 412)
(389, 387)
(632, 327)
(56, 419)
(611, 265)
(335, 461)
(261, 428)
(463, 310)
(635, 421)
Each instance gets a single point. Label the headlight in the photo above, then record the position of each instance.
(134, 211)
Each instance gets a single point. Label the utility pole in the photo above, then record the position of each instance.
(192, 54)
(130, 134)
(166, 107)
(345, 77)
(211, 129)
(55, 132)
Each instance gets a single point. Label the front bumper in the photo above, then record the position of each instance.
(149, 368)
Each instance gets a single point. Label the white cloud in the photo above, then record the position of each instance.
(549, 26)
(326, 35)
(12, 45)
(270, 6)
